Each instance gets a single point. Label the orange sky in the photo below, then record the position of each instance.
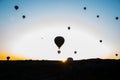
(4, 54)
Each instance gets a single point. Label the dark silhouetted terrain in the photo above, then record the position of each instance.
(92, 69)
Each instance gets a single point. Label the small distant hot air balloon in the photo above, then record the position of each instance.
(100, 41)
(23, 16)
(70, 59)
(97, 16)
(16, 7)
(75, 52)
(116, 18)
(116, 54)
(84, 8)
(59, 41)
(8, 58)
(68, 27)
(59, 51)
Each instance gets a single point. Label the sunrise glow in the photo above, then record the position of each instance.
(28, 30)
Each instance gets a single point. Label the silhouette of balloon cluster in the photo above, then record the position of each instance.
(16, 8)
(59, 40)
(116, 18)
(97, 16)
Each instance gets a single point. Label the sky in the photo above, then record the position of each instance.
(33, 37)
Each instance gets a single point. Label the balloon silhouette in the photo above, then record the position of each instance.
(8, 58)
(69, 28)
(85, 8)
(100, 41)
(116, 54)
(75, 52)
(97, 16)
(59, 51)
(59, 41)
(23, 16)
(16, 7)
(116, 18)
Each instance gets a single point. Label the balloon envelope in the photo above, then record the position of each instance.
(100, 41)
(16, 7)
(116, 18)
(75, 52)
(97, 16)
(116, 54)
(59, 40)
(23, 16)
(84, 8)
(69, 28)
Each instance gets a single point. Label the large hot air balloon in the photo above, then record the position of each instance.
(59, 41)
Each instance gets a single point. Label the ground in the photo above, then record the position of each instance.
(92, 69)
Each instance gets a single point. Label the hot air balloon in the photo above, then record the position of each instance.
(75, 52)
(68, 27)
(116, 54)
(100, 41)
(116, 18)
(70, 60)
(97, 16)
(8, 58)
(16, 7)
(84, 8)
(59, 51)
(59, 40)
(23, 16)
